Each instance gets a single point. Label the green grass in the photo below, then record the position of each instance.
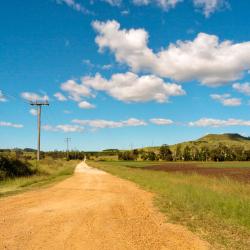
(229, 164)
(218, 210)
(48, 172)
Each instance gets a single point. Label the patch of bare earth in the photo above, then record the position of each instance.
(238, 174)
(91, 210)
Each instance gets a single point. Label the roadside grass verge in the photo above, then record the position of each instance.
(46, 172)
(218, 210)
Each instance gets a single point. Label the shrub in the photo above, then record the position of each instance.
(10, 168)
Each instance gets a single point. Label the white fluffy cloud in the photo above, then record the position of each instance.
(243, 88)
(161, 121)
(60, 97)
(226, 100)
(132, 122)
(2, 97)
(208, 122)
(75, 91)
(202, 59)
(164, 4)
(63, 128)
(210, 6)
(129, 87)
(10, 124)
(85, 105)
(33, 97)
(74, 5)
(33, 112)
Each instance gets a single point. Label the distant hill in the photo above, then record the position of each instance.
(225, 137)
(212, 141)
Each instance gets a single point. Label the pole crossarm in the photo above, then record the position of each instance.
(38, 103)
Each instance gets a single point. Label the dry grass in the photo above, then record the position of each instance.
(47, 172)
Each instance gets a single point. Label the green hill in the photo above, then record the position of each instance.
(229, 138)
(212, 141)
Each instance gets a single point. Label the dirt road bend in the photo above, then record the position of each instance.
(90, 210)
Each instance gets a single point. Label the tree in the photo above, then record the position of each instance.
(150, 156)
(136, 153)
(178, 153)
(238, 152)
(246, 155)
(194, 153)
(165, 153)
(221, 153)
(204, 154)
(187, 153)
(127, 156)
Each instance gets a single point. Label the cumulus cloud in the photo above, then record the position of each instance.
(161, 121)
(113, 2)
(63, 128)
(33, 97)
(85, 105)
(2, 97)
(243, 88)
(226, 100)
(33, 112)
(60, 97)
(210, 6)
(129, 87)
(164, 4)
(74, 5)
(75, 91)
(208, 122)
(132, 122)
(10, 124)
(202, 59)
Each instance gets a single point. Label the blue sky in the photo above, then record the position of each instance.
(121, 74)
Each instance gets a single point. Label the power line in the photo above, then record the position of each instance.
(39, 105)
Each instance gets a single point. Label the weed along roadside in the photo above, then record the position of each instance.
(18, 175)
(216, 209)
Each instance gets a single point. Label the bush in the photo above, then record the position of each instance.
(165, 153)
(127, 156)
(150, 156)
(10, 168)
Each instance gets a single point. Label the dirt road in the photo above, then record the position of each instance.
(90, 210)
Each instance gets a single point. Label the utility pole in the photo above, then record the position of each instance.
(39, 105)
(67, 142)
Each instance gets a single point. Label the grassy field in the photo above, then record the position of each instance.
(47, 172)
(217, 209)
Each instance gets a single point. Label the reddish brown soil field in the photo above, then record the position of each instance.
(238, 174)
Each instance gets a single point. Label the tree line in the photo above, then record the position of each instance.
(189, 153)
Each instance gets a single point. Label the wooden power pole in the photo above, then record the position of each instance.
(67, 142)
(39, 111)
